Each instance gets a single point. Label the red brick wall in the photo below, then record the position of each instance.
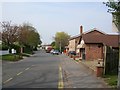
(94, 51)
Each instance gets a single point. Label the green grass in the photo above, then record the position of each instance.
(11, 57)
(111, 80)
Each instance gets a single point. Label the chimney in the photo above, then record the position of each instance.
(81, 29)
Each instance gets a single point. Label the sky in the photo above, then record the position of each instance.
(51, 17)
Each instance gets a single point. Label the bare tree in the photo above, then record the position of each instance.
(9, 33)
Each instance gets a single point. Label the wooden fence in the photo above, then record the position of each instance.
(111, 60)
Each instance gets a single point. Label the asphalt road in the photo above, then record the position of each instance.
(43, 70)
(39, 71)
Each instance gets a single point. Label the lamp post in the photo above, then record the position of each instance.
(60, 47)
(118, 84)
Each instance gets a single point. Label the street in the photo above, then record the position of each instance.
(43, 70)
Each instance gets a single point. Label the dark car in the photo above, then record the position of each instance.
(71, 53)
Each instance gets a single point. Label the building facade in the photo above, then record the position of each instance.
(90, 45)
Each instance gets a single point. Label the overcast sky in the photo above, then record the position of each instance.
(51, 17)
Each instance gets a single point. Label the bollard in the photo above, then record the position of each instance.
(74, 57)
(99, 72)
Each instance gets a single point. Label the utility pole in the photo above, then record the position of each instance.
(60, 46)
(118, 84)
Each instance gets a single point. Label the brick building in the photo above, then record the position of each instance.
(91, 44)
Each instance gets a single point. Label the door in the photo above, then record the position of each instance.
(83, 53)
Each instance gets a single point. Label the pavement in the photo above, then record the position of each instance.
(77, 75)
(90, 64)
(44, 70)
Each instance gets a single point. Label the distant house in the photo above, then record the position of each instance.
(91, 44)
(46, 46)
(74, 41)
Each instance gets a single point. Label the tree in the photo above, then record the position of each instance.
(29, 36)
(61, 40)
(9, 33)
(53, 44)
(115, 10)
(19, 36)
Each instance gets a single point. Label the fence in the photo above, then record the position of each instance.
(111, 60)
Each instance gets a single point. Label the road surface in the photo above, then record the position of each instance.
(43, 70)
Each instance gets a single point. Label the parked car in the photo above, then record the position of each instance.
(52, 51)
(71, 53)
(48, 50)
(55, 52)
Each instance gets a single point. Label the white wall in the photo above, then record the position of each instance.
(72, 45)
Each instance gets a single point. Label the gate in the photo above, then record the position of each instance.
(111, 60)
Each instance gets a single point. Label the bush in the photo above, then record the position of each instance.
(28, 50)
(3, 47)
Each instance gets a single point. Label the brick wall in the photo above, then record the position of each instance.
(94, 51)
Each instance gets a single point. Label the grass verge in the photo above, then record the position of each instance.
(11, 57)
(14, 57)
(111, 80)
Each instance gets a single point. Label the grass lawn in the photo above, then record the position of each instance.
(14, 57)
(111, 80)
(11, 57)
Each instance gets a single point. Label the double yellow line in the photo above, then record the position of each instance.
(60, 83)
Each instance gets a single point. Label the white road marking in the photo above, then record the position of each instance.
(8, 80)
(60, 83)
(27, 68)
(19, 73)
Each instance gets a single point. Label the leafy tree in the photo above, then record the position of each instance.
(29, 36)
(114, 8)
(61, 40)
(53, 44)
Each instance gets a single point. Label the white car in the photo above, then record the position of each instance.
(55, 52)
(52, 51)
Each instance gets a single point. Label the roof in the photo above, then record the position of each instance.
(96, 36)
(74, 37)
(110, 40)
(88, 32)
(94, 30)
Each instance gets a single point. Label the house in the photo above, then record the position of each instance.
(73, 41)
(90, 45)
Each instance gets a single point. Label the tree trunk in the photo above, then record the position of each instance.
(21, 50)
